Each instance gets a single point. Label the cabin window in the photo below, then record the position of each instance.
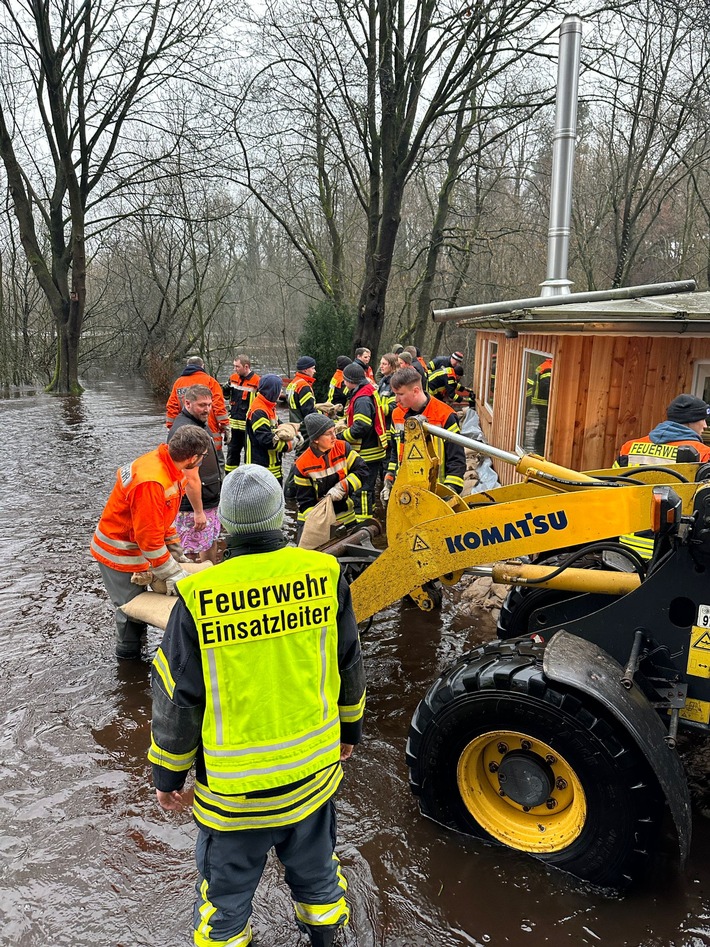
(536, 383)
(489, 378)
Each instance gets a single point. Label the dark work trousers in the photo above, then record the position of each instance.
(290, 486)
(121, 590)
(230, 866)
(237, 444)
(364, 499)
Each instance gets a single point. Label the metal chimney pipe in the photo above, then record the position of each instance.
(563, 147)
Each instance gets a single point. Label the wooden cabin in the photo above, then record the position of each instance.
(615, 367)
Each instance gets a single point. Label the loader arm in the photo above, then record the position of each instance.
(434, 534)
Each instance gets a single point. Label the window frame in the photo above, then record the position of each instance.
(520, 421)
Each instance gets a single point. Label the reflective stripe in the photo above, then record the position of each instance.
(160, 663)
(351, 713)
(234, 817)
(177, 762)
(214, 686)
(269, 770)
(203, 930)
(157, 553)
(119, 560)
(270, 747)
(327, 471)
(116, 543)
(321, 914)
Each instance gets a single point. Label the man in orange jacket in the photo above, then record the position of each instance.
(412, 401)
(194, 374)
(136, 532)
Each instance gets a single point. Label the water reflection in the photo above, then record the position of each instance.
(87, 855)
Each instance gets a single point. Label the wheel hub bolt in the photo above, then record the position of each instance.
(561, 783)
(550, 759)
(551, 803)
(502, 778)
(526, 808)
(526, 744)
(502, 747)
(492, 767)
(501, 792)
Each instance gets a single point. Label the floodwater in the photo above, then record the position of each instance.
(87, 857)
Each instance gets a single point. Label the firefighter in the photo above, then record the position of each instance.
(336, 392)
(541, 399)
(301, 403)
(262, 446)
(446, 361)
(241, 391)
(299, 394)
(198, 528)
(194, 374)
(136, 532)
(328, 467)
(418, 364)
(362, 358)
(259, 684)
(411, 402)
(676, 440)
(366, 432)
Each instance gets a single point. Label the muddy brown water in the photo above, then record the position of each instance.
(87, 857)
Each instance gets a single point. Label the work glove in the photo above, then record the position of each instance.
(340, 426)
(177, 552)
(227, 435)
(385, 491)
(298, 441)
(170, 572)
(338, 492)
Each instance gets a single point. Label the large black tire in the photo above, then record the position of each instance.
(578, 792)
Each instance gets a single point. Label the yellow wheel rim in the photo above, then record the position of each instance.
(521, 791)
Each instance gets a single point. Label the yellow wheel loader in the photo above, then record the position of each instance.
(558, 740)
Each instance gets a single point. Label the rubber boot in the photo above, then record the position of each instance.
(322, 936)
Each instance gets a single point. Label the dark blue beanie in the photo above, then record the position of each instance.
(270, 387)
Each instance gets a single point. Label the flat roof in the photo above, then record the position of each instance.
(675, 314)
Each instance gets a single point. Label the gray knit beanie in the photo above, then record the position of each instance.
(251, 500)
(354, 373)
(317, 424)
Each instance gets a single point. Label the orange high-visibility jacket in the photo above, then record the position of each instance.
(138, 520)
(176, 402)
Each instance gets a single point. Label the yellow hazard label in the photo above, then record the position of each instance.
(414, 453)
(699, 653)
(419, 544)
(698, 710)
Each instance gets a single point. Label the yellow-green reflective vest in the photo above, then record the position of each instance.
(266, 626)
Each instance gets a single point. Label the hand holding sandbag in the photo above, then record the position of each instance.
(169, 573)
(338, 492)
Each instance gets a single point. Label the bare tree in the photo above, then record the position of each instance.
(376, 81)
(81, 93)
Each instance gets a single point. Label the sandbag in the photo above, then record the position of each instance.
(329, 409)
(154, 607)
(286, 431)
(316, 529)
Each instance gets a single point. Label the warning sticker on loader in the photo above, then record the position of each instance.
(698, 710)
(699, 652)
(703, 616)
